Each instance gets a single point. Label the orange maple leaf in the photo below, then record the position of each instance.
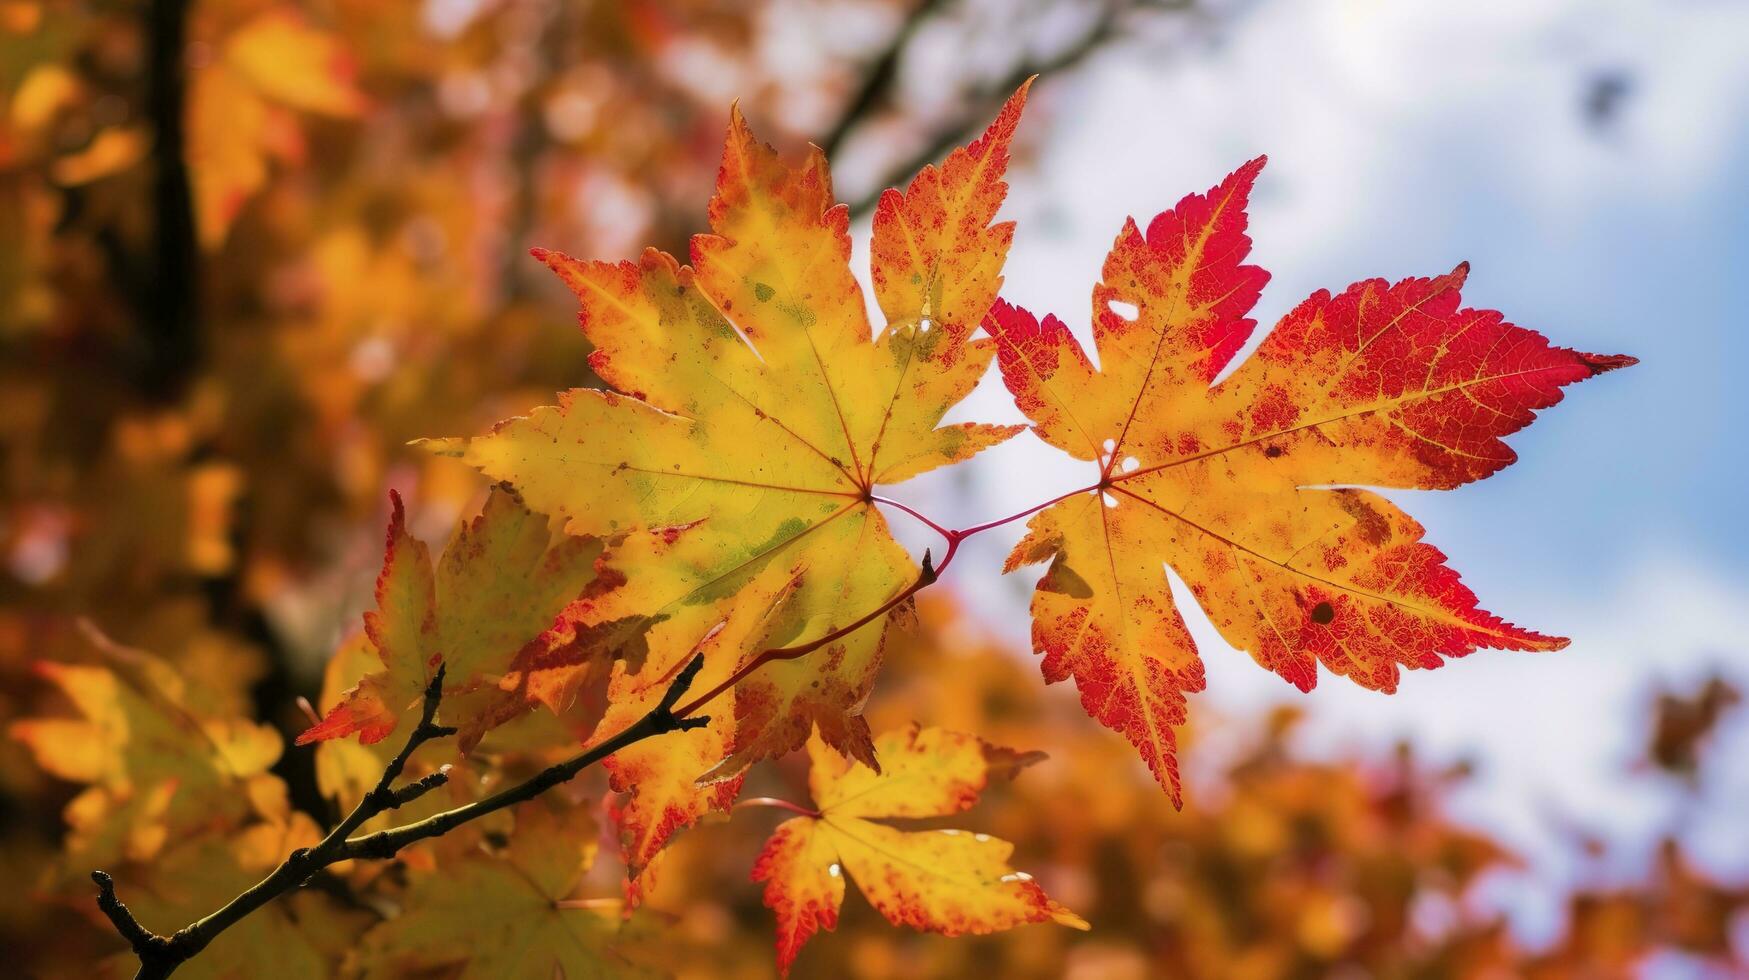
(945, 881)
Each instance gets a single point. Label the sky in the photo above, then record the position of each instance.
(1404, 138)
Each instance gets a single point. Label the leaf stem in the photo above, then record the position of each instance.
(907, 508)
(1011, 518)
(925, 578)
(965, 532)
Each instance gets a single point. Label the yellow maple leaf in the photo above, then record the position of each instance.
(946, 881)
(674, 782)
(503, 589)
(506, 915)
(295, 64)
(155, 770)
(752, 412)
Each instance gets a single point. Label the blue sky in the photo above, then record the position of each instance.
(1403, 138)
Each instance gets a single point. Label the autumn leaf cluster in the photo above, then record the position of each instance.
(712, 489)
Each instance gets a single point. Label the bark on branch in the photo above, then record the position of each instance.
(159, 956)
(1104, 29)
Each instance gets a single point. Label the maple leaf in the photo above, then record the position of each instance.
(945, 881)
(662, 777)
(751, 412)
(155, 770)
(1245, 487)
(504, 595)
(506, 915)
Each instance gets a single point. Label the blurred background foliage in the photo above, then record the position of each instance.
(1278, 865)
(249, 249)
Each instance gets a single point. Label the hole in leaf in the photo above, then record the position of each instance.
(924, 325)
(1110, 501)
(1123, 310)
(1110, 444)
(1131, 464)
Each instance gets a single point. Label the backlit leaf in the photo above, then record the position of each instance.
(501, 594)
(947, 881)
(511, 914)
(1245, 487)
(752, 411)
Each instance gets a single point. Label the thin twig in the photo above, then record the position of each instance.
(159, 956)
(925, 578)
(977, 103)
(149, 946)
(878, 82)
(658, 720)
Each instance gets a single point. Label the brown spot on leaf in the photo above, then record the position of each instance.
(1371, 525)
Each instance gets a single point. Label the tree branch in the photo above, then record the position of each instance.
(979, 102)
(169, 310)
(148, 946)
(159, 956)
(882, 72)
(657, 721)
